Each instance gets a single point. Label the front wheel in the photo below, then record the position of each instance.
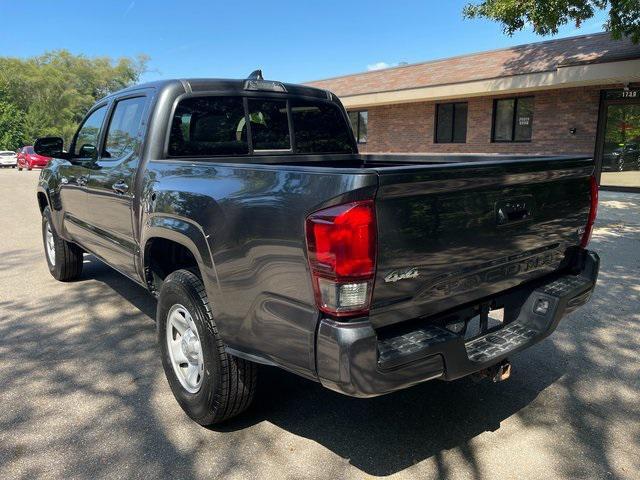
(210, 385)
(64, 259)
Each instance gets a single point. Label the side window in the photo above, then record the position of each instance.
(86, 144)
(124, 127)
(208, 126)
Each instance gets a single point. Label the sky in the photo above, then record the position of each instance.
(292, 41)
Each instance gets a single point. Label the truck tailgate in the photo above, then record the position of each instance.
(452, 234)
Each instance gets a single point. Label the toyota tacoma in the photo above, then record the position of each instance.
(246, 209)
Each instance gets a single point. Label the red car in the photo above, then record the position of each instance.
(29, 159)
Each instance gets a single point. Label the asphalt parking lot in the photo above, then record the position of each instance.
(83, 395)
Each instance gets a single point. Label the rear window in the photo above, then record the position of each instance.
(269, 124)
(211, 126)
(319, 128)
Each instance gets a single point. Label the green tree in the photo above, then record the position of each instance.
(545, 16)
(12, 127)
(53, 91)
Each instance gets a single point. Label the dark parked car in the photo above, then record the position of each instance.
(245, 208)
(622, 158)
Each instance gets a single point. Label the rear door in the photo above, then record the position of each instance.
(453, 234)
(110, 185)
(74, 175)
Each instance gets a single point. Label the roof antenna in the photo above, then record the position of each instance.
(255, 75)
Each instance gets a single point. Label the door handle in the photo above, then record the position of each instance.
(120, 187)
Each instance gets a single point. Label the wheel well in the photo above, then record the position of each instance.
(164, 256)
(42, 201)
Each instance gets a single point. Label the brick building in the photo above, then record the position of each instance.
(578, 95)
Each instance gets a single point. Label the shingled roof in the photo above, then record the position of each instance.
(523, 59)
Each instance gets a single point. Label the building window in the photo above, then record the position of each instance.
(359, 123)
(512, 119)
(451, 122)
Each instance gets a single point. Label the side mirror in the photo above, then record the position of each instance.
(50, 147)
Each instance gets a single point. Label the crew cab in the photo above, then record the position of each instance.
(246, 209)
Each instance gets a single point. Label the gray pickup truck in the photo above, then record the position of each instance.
(245, 208)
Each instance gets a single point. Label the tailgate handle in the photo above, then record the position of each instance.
(513, 211)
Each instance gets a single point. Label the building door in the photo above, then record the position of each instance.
(618, 146)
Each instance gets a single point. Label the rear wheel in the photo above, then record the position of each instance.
(210, 385)
(64, 259)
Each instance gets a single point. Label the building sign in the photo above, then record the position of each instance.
(622, 94)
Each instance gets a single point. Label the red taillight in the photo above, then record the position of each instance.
(586, 236)
(341, 242)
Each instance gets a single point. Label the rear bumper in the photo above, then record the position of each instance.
(353, 359)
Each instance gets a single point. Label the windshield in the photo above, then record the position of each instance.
(216, 125)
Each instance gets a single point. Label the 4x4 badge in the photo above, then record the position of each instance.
(395, 275)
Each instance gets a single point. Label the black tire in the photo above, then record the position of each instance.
(228, 383)
(68, 256)
(19, 169)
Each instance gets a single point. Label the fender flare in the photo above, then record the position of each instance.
(41, 190)
(190, 235)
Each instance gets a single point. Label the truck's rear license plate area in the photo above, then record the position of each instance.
(480, 325)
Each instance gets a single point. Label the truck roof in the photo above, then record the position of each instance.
(222, 85)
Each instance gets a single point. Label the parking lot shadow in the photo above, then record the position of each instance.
(379, 436)
(387, 434)
(139, 297)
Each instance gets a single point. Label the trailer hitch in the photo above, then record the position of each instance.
(498, 372)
